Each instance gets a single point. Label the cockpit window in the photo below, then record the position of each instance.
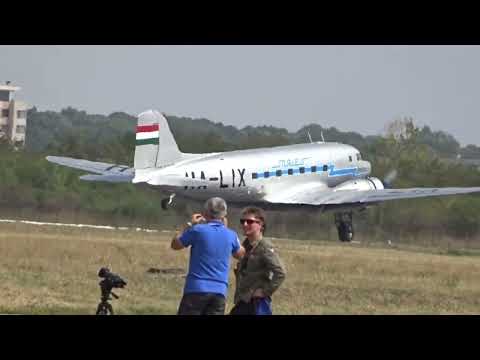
(350, 158)
(359, 157)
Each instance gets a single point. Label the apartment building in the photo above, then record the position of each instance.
(13, 115)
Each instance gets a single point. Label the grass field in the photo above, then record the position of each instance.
(53, 270)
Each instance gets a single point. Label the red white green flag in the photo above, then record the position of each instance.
(147, 134)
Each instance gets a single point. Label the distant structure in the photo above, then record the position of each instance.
(13, 115)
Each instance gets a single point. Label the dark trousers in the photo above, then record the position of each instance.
(202, 304)
(257, 306)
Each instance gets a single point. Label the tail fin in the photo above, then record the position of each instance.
(155, 145)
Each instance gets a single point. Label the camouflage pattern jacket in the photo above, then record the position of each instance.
(260, 268)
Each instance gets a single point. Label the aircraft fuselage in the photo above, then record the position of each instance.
(248, 175)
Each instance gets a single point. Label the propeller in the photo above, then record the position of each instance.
(389, 178)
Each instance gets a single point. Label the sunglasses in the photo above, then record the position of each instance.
(248, 221)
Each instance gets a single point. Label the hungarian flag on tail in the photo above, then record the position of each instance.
(147, 134)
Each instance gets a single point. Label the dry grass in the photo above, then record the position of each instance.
(50, 270)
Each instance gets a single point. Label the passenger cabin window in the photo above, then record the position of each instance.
(254, 175)
(279, 173)
(266, 174)
(290, 171)
(325, 167)
(302, 170)
(313, 169)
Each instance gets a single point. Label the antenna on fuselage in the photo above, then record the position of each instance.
(321, 134)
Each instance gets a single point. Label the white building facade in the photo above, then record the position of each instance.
(13, 116)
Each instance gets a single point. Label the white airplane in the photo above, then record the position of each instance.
(329, 176)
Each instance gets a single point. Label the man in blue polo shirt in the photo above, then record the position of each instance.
(212, 244)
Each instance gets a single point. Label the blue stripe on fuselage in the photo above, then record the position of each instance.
(307, 170)
(341, 172)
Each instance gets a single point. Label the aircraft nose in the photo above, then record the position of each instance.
(366, 167)
(369, 166)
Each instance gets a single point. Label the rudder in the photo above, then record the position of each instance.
(155, 145)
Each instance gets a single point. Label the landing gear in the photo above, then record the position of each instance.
(168, 201)
(344, 224)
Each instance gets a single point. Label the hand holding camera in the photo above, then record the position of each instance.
(198, 219)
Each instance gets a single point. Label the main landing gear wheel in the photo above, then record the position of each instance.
(344, 224)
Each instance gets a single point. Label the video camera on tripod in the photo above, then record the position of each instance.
(110, 281)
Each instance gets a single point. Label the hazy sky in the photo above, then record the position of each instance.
(354, 88)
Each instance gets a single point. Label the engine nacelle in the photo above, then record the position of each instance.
(369, 183)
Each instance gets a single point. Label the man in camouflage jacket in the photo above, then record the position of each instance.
(260, 272)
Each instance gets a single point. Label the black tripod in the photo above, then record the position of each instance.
(104, 307)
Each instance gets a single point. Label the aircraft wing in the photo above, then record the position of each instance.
(316, 194)
(105, 171)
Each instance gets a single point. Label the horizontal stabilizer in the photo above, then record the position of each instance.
(103, 171)
(107, 178)
(90, 166)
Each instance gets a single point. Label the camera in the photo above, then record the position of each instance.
(110, 281)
